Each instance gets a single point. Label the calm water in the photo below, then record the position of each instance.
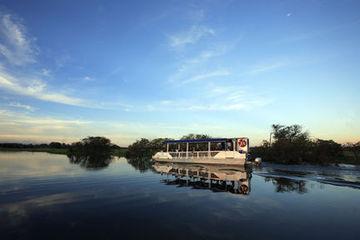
(43, 196)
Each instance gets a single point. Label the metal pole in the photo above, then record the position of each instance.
(209, 149)
(187, 150)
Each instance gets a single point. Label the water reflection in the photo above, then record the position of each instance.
(140, 164)
(91, 162)
(287, 185)
(216, 178)
(43, 196)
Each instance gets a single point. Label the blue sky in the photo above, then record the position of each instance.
(132, 69)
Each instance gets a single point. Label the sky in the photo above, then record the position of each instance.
(132, 69)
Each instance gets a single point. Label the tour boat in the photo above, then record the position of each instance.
(222, 151)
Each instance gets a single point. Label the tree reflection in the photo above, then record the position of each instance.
(91, 163)
(140, 164)
(91, 153)
(287, 184)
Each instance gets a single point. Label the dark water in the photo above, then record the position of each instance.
(43, 196)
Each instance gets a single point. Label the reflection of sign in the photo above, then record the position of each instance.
(216, 178)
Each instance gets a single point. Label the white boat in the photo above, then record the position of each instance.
(221, 151)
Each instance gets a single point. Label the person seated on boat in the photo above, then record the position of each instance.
(229, 145)
(223, 146)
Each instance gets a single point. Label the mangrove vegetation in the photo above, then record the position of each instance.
(292, 145)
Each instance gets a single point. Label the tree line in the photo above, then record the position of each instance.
(144, 148)
(56, 145)
(293, 145)
(290, 144)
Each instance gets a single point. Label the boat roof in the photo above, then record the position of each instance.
(199, 140)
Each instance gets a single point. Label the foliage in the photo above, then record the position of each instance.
(91, 152)
(352, 150)
(292, 145)
(53, 147)
(195, 136)
(144, 149)
(197, 146)
(119, 151)
(325, 151)
(47, 150)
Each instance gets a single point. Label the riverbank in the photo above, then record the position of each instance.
(47, 150)
(285, 157)
(116, 152)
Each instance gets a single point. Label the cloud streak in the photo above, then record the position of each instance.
(18, 126)
(18, 49)
(195, 68)
(15, 46)
(21, 106)
(260, 68)
(190, 36)
(36, 89)
(214, 99)
(207, 75)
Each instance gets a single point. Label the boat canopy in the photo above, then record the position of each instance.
(199, 140)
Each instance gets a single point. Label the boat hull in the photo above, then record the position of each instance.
(239, 162)
(218, 158)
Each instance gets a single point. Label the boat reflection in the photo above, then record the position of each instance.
(231, 179)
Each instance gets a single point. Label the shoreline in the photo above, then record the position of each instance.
(47, 150)
(64, 151)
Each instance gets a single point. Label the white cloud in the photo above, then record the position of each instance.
(48, 122)
(88, 79)
(22, 106)
(46, 72)
(36, 89)
(190, 36)
(196, 67)
(207, 75)
(15, 46)
(213, 98)
(17, 126)
(260, 68)
(18, 49)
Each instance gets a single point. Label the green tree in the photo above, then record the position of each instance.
(291, 144)
(197, 146)
(325, 151)
(353, 148)
(144, 149)
(195, 136)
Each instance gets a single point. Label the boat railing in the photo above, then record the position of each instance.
(195, 154)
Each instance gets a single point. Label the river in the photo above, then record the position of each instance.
(44, 196)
